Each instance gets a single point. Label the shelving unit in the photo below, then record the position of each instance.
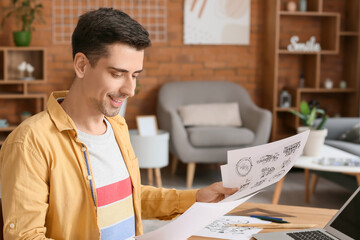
(15, 97)
(335, 25)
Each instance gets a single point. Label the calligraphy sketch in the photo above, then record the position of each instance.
(220, 228)
(288, 150)
(267, 171)
(222, 225)
(243, 167)
(268, 158)
(285, 163)
(259, 183)
(245, 185)
(261, 162)
(277, 175)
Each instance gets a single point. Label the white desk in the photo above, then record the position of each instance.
(310, 163)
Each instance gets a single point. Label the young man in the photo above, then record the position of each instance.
(70, 172)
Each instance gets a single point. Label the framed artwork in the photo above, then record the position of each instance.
(217, 22)
(147, 125)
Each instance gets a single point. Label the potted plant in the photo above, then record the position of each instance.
(308, 115)
(25, 12)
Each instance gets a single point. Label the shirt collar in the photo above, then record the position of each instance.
(61, 119)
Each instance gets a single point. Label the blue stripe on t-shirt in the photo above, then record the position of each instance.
(122, 230)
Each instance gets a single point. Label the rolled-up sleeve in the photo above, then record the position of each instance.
(24, 192)
(164, 203)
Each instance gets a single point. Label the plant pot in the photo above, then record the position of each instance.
(314, 142)
(22, 39)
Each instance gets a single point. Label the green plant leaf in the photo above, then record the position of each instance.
(320, 111)
(311, 119)
(304, 108)
(322, 123)
(25, 11)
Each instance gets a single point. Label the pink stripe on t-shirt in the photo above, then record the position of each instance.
(114, 192)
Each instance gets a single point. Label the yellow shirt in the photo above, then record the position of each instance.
(45, 186)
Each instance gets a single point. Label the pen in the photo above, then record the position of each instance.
(274, 226)
(271, 219)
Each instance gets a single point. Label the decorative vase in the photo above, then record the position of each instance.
(302, 5)
(314, 142)
(291, 6)
(22, 39)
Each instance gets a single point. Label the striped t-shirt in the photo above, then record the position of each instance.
(115, 211)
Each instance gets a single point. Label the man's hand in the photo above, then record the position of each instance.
(214, 193)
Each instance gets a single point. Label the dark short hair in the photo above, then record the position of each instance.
(97, 29)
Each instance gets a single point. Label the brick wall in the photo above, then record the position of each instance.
(164, 62)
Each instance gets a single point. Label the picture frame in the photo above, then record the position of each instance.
(147, 125)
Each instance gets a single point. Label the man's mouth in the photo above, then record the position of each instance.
(116, 102)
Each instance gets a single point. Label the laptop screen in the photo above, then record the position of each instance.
(348, 220)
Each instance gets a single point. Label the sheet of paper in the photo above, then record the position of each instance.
(252, 169)
(249, 169)
(193, 220)
(220, 228)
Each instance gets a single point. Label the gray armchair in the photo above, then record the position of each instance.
(193, 145)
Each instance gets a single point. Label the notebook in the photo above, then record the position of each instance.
(344, 225)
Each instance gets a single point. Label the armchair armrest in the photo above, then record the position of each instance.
(259, 121)
(337, 126)
(170, 121)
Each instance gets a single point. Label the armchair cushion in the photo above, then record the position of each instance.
(210, 114)
(220, 136)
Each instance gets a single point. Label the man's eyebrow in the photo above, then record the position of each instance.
(124, 70)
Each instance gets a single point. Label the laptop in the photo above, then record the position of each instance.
(345, 225)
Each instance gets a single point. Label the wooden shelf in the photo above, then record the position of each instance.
(7, 129)
(325, 90)
(14, 81)
(308, 14)
(350, 34)
(281, 109)
(15, 95)
(285, 51)
(22, 96)
(336, 26)
(322, 52)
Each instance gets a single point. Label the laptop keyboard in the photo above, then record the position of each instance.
(309, 235)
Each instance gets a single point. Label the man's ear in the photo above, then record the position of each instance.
(80, 64)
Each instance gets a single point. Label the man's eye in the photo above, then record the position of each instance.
(116, 75)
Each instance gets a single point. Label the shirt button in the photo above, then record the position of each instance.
(12, 225)
(89, 177)
(83, 149)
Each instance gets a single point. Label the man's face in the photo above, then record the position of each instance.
(112, 79)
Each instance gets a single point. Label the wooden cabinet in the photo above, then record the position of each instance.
(16, 96)
(335, 25)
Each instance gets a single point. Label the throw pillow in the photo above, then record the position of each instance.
(352, 135)
(213, 114)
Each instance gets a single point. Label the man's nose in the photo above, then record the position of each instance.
(129, 86)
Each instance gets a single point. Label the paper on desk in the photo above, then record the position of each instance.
(198, 216)
(252, 169)
(220, 228)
